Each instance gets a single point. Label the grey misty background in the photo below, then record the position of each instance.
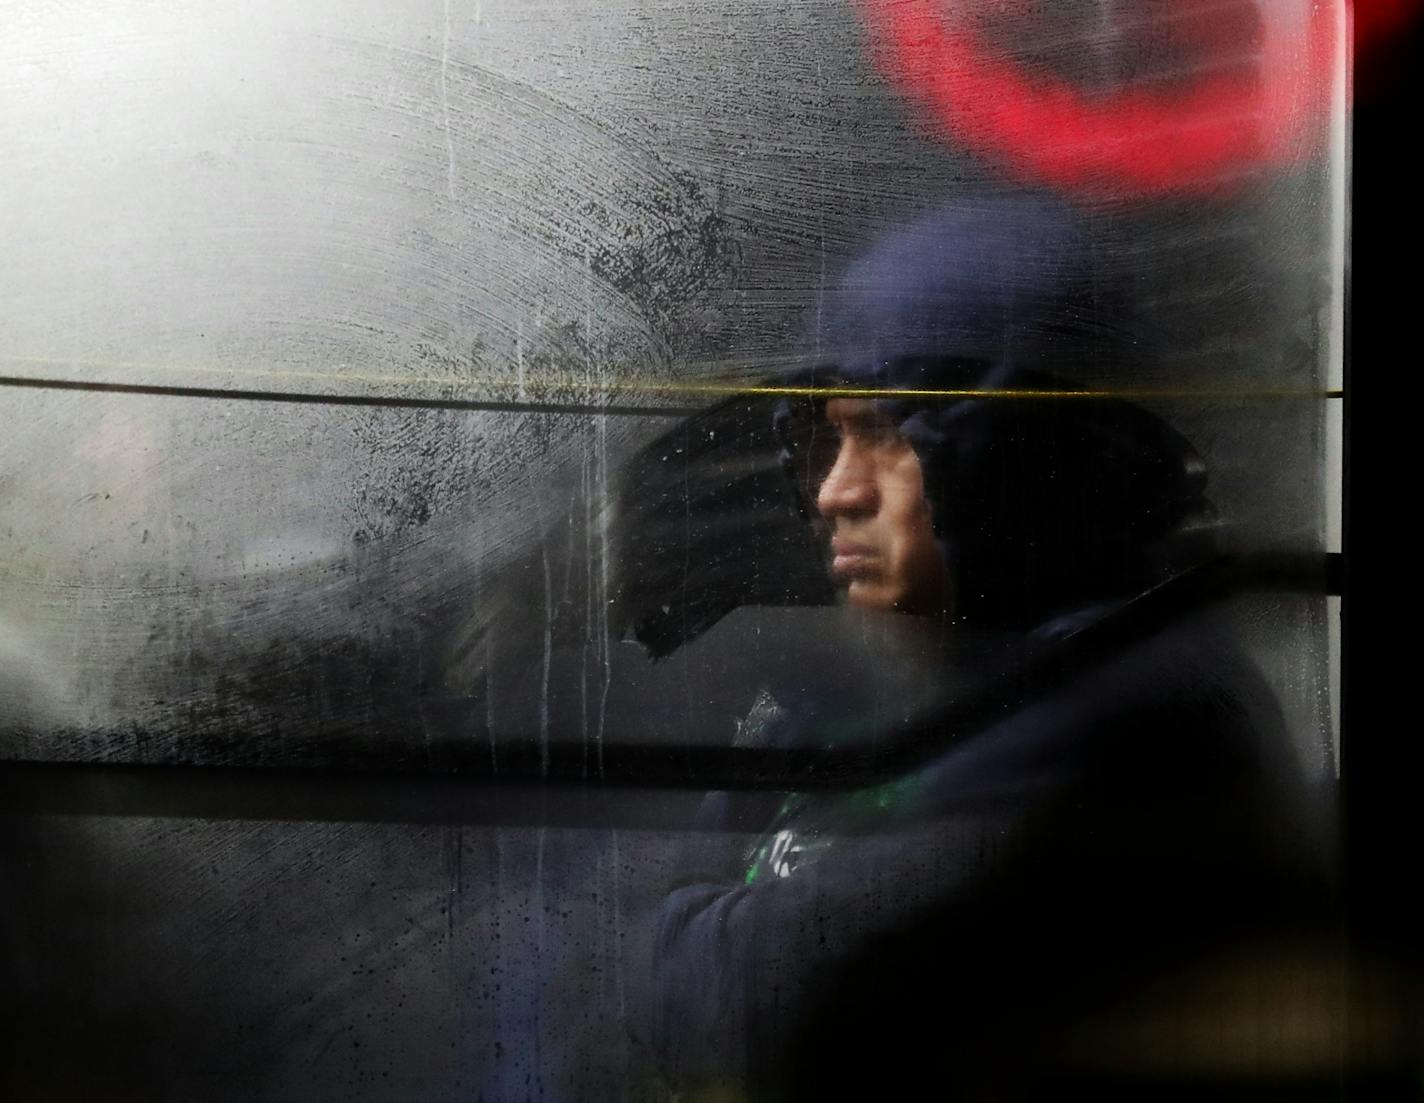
(492, 199)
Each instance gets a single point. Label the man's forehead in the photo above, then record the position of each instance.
(855, 411)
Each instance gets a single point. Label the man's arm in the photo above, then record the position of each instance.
(1103, 826)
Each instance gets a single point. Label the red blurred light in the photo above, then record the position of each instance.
(1132, 143)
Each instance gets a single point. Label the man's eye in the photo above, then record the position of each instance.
(883, 435)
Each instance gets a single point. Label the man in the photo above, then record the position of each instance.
(873, 495)
(961, 920)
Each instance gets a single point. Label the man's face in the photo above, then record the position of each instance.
(882, 538)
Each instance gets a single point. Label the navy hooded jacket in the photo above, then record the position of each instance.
(949, 923)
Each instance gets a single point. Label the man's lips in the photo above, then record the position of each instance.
(850, 559)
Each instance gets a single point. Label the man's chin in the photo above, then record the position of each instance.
(866, 594)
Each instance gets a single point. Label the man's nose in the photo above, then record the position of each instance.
(849, 486)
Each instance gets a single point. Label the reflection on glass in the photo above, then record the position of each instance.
(775, 486)
(1091, 840)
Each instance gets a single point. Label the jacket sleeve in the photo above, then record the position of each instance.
(1095, 829)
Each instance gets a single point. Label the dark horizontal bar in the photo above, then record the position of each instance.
(325, 796)
(306, 398)
(473, 789)
(521, 406)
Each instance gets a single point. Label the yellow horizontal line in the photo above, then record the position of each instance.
(708, 388)
(1024, 392)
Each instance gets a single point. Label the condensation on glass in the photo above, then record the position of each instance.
(458, 638)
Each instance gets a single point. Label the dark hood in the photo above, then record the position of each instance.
(1013, 280)
(1045, 504)
(1047, 496)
